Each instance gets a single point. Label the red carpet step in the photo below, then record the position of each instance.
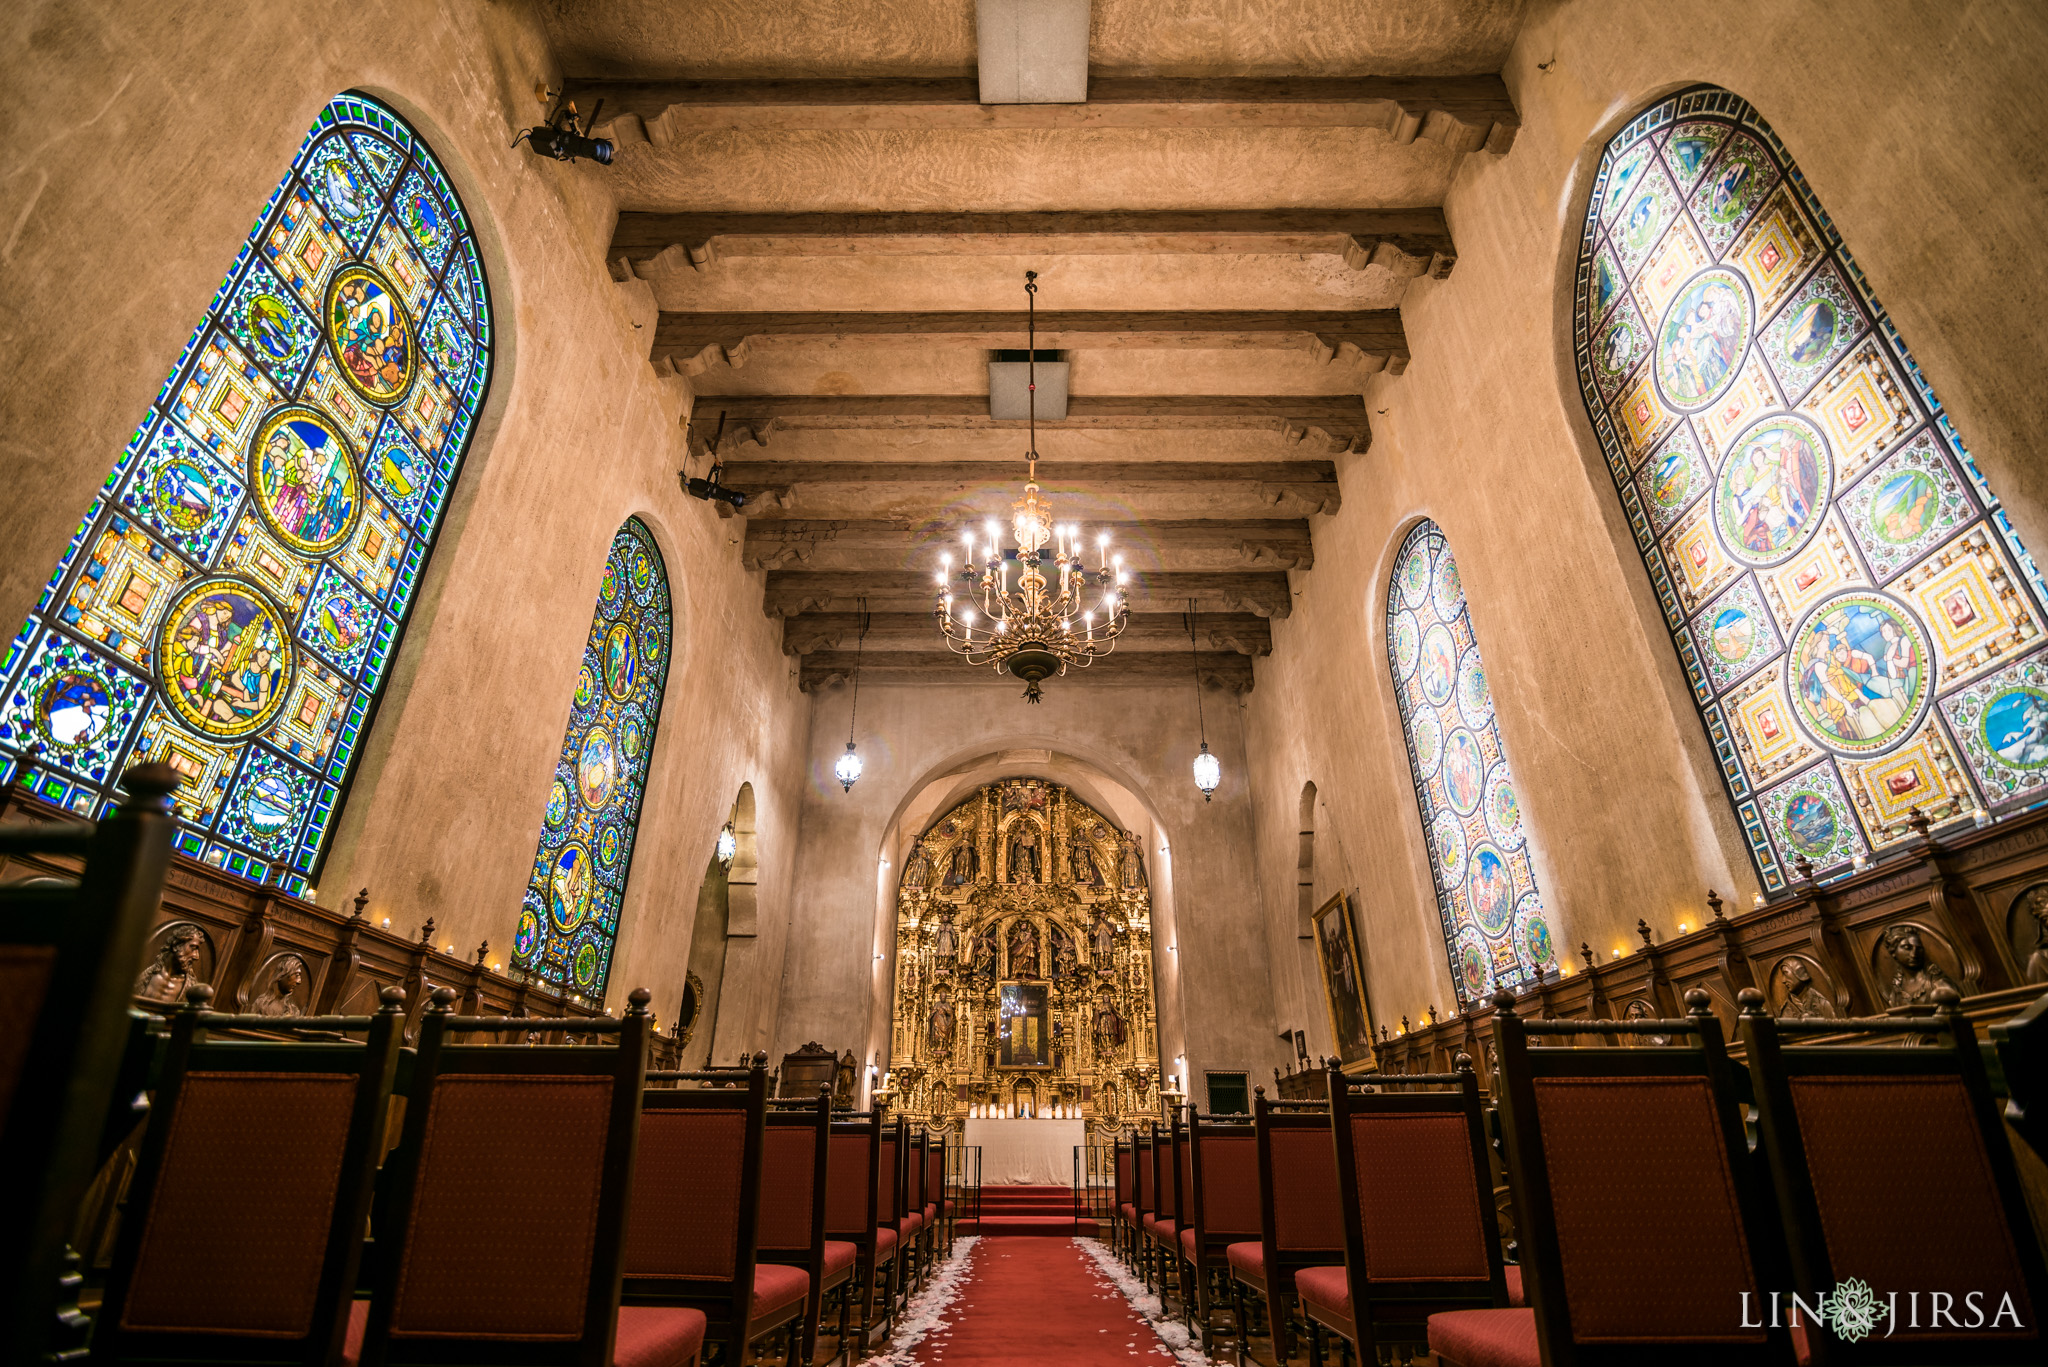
(1027, 1210)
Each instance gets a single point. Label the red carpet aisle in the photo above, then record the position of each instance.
(1035, 1301)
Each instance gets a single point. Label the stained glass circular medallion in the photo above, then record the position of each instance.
(1448, 834)
(224, 657)
(1413, 576)
(1407, 642)
(621, 661)
(1703, 337)
(597, 767)
(1532, 933)
(1428, 736)
(569, 887)
(1490, 890)
(74, 707)
(2015, 727)
(1473, 973)
(586, 964)
(181, 494)
(1475, 699)
(632, 735)
(304, 479)
(1447, 591)
(1860, 673)
(370, 334)
(1464, 771)
(1439, 664)
(1773, 490)
(528, 937)
(558, 803)
(1503, 809)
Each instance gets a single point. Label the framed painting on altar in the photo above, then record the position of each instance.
(1024, 1039)
(1343, 982)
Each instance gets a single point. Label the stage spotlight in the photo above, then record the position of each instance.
(566, 136)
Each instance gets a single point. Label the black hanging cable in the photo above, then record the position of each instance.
(859, 644)
(1195, 652)
(1031, 366)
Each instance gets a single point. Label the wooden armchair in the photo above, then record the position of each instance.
(793, 1166)
(852, 1199)
(1643, 1224)
(1222, 1204)
(502, 1223)
(1420, 1233)
(245, 1221)
(1300, 1225)
(1162, 1230)
(1859, 1133)
(68, 955)
(1144, 1189)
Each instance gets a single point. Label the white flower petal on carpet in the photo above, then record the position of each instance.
(1149, 1306)
(927, 1308)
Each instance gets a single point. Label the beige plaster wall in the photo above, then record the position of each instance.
(1919, 127)
(141, 139)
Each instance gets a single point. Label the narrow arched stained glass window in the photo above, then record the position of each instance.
(570, 918)
(1495, 930)
(1860, 626)
(231, 602)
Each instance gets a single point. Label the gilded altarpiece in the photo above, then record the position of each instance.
(1024, 962)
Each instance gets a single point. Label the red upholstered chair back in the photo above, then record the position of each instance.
(914, 1171)
(1307, 1216)
(1148, 1176)
(1165, 1162)
(888, 1174)
(68, 956)
(1892, 1165)
(252, 1192)
(694, 1211)
(1124, 1191)
(1641, 1223)
(789, 1156)
(507, 1196)
(1227, 1161)
(935, 1171)
(1184, 1165)
(851, 1180)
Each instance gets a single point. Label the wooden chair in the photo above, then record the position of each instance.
(1124, 1216)
(1143, 1188)
(1222, 1205)
(1300, 1224)
(1643, 1225)
(69, 950)
(852, 1196)
(692, 1226)
(890, 1213)
(935, 1195)
(1420, 1233)
(1892, 1167)
(913, 1237)
(2021, 1047)
(245, 1219)
(501, 1226)
(793, 1165)
(1163, 1230)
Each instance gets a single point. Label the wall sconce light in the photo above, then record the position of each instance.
(728, 846)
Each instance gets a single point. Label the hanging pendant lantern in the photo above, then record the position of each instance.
(1208, 769)
(847, 770)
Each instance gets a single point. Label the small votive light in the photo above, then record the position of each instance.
(1683, 927)
(387, 923)
(1758, 899)
(1981, 817)
(1617, 954)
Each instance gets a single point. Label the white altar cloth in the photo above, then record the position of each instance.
(1034, 1152)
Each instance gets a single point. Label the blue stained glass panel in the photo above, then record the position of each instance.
(200, 613)
(569, 919)
(1495, 929)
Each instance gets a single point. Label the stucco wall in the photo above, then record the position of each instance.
(1919, 126)
(142, 140)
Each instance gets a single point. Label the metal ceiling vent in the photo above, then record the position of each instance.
(1033, 51)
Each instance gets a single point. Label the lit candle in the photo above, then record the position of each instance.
(1102, 546)
(1088, 621)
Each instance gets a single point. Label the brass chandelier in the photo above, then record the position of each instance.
(1025, 622)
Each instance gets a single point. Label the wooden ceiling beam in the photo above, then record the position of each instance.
(1230, 672)
(1464, 113)
(1342, 418)
(914, 492)
(1408, 242)
(889, 633)
(791, 592)
(690, 339)
(1207, 545)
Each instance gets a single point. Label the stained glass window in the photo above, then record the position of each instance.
(232, 599)
(1493, 921)
(570, 917)
(1859, 623)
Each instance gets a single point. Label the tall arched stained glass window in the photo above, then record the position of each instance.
(570, 918)
(1494, 925)
(1859, 624)
(232, 599)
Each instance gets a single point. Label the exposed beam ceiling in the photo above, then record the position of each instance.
(1267, 543)
(791, 592)
(1225, 670)
(1342, 418)
(1465, 113)
(1406, 241)
(1239, 633)
(1375, 333)
(912, 492)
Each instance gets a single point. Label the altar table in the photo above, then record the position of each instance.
(1031, 1152)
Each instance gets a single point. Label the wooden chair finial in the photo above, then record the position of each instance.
(1504, 1001)
(1751, 1001)
(1698, 1003)
(1714, 905)
(391, 998)
(150, 787)
(1643, 929)
(362, 900)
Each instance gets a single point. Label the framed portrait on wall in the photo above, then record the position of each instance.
(1343, 982)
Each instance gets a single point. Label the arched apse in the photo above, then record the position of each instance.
(1857, 620)
(1496, 932)
(569, 921)
(726, 908)
(233, 599)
